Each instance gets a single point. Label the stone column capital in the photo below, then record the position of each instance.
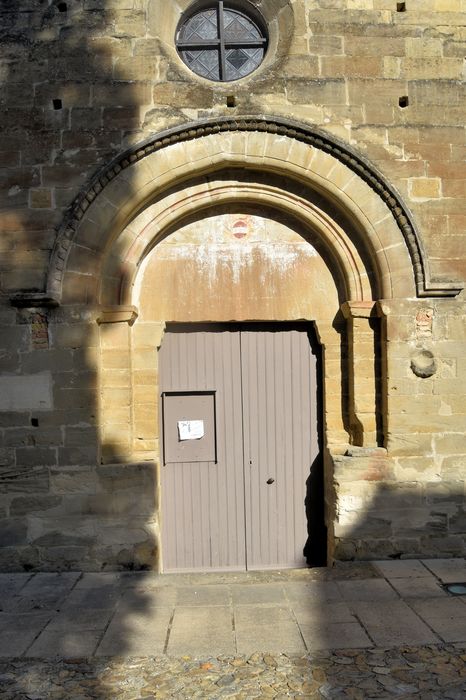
(358, 309)
(117, 314)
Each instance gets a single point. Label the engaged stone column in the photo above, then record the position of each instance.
(116, 390)
(364, 371)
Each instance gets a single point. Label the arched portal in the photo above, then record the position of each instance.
(325, 239)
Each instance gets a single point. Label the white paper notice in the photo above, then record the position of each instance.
(190, 429)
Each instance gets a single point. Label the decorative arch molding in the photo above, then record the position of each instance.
(310, 136)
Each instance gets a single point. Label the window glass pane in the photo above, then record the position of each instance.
(239, 28)
(204, 62)
(200, 27)
(240, 62)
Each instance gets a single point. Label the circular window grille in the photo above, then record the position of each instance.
(221, 43)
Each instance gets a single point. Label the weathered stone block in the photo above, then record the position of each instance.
(73, 335)
(23, 437)
(443, 546)
(60, 539)
(82, 437)
(25, 480)
(453, 468)
(116, 378)
(121, 117)
(74, 398)
(7, 457)
(424, 188)
(73, 480)
(316, 92)
(40, 199)
(457, 522)
(13, 532)
(28, 505)
(446, 494)
(114, 336)
(65, 558)
(36, 456)
(79, 455)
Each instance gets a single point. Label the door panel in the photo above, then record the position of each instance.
(280, 443)
(203, 502)
(226, 515)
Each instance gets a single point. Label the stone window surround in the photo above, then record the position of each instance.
(247, 12)
(278, 16)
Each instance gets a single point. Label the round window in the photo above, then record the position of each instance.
(220, 42)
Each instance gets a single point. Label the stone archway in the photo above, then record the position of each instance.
(125, 186)
(333, 200)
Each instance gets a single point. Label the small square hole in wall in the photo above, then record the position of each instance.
(231, 101)
(403, 101)
(57, 103)
(35, 422)
(62, 7)
(401, 7)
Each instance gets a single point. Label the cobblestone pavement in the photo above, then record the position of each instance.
(421, 673)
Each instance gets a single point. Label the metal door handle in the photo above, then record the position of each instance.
(270, 481)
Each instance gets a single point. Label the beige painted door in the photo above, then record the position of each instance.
(243, 504)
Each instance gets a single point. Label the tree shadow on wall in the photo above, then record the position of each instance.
(69, 105)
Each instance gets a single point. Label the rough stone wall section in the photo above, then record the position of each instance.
(82, 81)
(81, 84)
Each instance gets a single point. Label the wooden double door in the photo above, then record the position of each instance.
(248, 394)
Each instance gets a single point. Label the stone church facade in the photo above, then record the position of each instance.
(321, 192)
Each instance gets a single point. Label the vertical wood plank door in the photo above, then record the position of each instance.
(280, 443)
(246, 511)
(203, 502)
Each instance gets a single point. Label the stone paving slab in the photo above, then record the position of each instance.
(401, 568)
(197, 630)
(129, 614)
(447, 617)
(79, 619)
(330, 612)
(203, 595)
(44, 591)
(11, 584)
(391, 623)
(143, 598)
(314, 591)
(136, 633)
(370, 591)
(447, 570)
(341, 635)
(243, 594)
(104, 596)
(271, 638)
(18, 631)
(269, 628)
(419, 587)
(65, 644)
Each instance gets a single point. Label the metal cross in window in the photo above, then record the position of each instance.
(220, 43)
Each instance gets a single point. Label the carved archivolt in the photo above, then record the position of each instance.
(295, 132)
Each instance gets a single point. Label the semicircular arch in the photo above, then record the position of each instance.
(311, 159)
(158, 221)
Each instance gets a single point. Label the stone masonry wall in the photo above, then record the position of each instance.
(82, 80)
